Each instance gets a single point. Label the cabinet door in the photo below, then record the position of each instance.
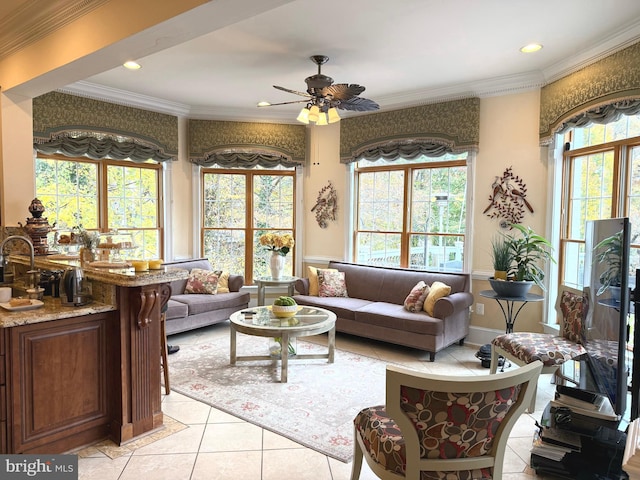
(60, 373)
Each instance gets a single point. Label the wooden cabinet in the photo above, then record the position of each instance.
(59, 380)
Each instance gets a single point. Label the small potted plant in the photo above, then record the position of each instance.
(609, 252)
(528, 253)
(501, 257)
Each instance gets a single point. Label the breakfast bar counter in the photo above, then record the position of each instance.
(74, 375)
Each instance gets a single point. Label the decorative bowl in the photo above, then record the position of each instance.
(510, 288)
(284, 311)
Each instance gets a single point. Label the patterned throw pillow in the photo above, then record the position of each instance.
(436, 292)
(313, 279)
(223, 281)
(202, 281)
(573, 310)
(417, 296)
(331, 284)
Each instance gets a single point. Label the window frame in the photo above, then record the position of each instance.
(408, 167)
(249, 229)
(102, 195)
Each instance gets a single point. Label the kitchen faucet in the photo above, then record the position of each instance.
(32, 272)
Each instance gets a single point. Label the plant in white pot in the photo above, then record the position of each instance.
(529, 251)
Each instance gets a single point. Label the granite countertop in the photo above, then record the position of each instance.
(123, 277)
(51, 310)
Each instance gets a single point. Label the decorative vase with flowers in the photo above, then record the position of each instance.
(279, 245)
(88, 243)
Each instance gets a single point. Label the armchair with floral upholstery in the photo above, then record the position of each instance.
(439, 427)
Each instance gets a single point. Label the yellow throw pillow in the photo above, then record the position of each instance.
(223, 281)
(436, 291)
(313, 279)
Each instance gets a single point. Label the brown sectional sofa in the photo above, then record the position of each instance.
(375, 306)
(189, 311)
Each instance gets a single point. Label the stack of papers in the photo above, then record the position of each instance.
(554, 444)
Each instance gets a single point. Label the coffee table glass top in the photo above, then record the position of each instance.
(264, 318)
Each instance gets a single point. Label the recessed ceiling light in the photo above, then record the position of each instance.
(264, 104)
(532, 47)
(131, 65)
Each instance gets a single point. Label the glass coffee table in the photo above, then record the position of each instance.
(261, 322)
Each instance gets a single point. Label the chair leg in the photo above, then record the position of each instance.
(495, 360)
(356, 466)
(163, 354)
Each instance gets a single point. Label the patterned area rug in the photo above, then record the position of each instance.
(315, 408)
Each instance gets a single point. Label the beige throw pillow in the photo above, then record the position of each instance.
(436, 291)
(415, 299)
(202, 281)
(223, 281)
(313, 279)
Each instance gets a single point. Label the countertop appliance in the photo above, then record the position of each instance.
(73, 288)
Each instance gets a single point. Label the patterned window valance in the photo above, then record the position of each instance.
(61, 118)
(245, 159)
(409, 149)
(98, 146)
(246, 144)
(596, 93)
(433, 129)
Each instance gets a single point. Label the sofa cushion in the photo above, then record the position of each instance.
(343, 307)
(415, 299)
(176, 310)
(390, 315)
(437, 290)
(202, 281)
(207, 303)
(331, 283)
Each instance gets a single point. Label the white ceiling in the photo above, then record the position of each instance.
(405, 52)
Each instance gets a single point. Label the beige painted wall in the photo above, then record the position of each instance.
(508, 137)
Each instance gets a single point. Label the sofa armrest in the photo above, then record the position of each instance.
(302, 286)
(452, 304)
(236, 282)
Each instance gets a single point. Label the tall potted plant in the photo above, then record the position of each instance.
(528, 252)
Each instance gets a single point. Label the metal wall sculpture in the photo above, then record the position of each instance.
(507, 200)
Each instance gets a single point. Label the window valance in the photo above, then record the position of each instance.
(61, 118)
(245, 159)
(97, 146)
(597, 93)
(246, 144)
(433, 129)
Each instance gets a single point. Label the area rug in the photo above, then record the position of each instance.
(315, 408)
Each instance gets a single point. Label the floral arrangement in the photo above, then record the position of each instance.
(86, 238)
(277, 243)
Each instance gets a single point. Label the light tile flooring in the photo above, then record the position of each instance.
(218, 446)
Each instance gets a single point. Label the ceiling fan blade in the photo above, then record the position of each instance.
(284, 103)
(358, 104)
(302, 94)
(342, 91)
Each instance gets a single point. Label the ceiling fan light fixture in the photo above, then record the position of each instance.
(314, 111)
(303, 116)
(333, 115)
(322, 119)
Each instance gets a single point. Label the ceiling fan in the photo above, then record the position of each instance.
(323, 97)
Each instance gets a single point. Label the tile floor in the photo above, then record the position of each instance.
(218, 446)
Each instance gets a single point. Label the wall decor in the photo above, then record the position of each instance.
(326, 207)
(508, 199)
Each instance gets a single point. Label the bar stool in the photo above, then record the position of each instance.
(164, 363)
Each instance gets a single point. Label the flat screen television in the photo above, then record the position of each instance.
(606, 284)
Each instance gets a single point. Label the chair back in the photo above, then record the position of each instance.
(457, 424)
(572, 306)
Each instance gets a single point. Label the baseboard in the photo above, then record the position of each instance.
(479, 336)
